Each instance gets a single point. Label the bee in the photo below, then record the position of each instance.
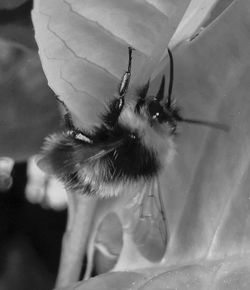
(128, 150)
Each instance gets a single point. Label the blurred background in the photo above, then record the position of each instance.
(31, 222)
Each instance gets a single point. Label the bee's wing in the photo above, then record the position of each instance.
(150, 232)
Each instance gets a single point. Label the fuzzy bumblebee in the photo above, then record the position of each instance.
(126, 152)
(132, 145)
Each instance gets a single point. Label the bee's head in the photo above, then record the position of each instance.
(160, 113)
(157, 110)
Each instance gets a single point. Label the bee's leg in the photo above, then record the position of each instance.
(116, 106)
(71, 129)
(124, 84)
(67, 116)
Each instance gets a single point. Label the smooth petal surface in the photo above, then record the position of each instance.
(83, 46)
(108, 243)
(110, 281)
(208, 184)
(229, 274)
(197, 12)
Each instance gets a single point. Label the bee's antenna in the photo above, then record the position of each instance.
(219, 126)
(177, 117)
(171, 78)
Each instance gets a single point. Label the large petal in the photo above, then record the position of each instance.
(83, 46)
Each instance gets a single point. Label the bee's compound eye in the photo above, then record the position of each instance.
(155, 110)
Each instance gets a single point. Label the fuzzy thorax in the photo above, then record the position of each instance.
(155, 136)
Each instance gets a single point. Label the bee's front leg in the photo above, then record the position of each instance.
(116, 106)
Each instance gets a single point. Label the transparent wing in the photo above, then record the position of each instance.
(150, 232)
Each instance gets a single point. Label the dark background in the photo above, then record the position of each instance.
(30, 239)
(30, 235)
